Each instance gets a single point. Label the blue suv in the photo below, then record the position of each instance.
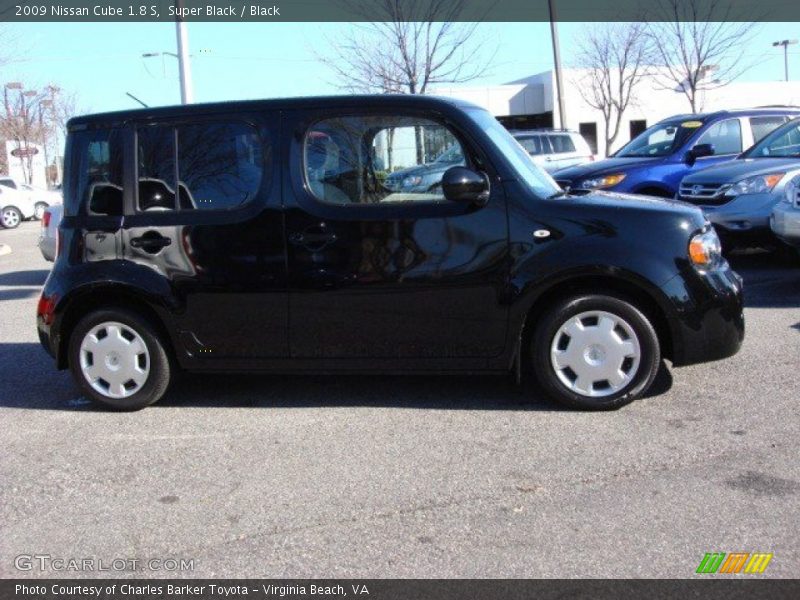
(656, 160)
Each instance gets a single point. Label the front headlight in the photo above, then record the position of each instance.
(755, 185)
(602, 182)
(791, 191)
(705, 250)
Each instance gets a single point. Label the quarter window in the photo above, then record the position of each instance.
(96, 179)
(379, 159)
(202, 166)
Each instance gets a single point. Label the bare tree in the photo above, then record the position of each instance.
(613, 59)
(699, 45)
(409, 46)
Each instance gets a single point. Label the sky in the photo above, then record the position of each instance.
(100, 62)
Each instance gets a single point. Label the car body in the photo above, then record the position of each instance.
(269, 244)
(785, 218)
(739, 196)
(656, 160)
(48, 234)
(37, 197)
(554, 150)
(15, 207)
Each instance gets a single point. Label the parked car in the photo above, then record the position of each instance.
(427, 176)
(302, 261)
(48, 234)
(554, 150)
(739, 196)
(38, 197)
(656, 160)
(15, 207)
(785, 218)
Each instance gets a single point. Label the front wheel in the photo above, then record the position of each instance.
(38, 210)
(10, 217)
(595, 352)
(118, 359)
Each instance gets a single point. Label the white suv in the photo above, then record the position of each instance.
(554, 150)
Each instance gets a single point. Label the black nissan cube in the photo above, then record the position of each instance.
(267, 236)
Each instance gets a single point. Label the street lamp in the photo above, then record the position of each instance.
(785, 44)
(185, 73)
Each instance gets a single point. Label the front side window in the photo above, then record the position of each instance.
(782, 143)
(662, 139)
(370, 160)
(725, 136)
(96, 173)
(531, 143)
(202, 166)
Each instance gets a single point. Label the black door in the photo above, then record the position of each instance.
(205, 214)
(380, 265)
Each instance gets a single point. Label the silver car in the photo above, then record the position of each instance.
(48, 234)
(785, 218)
(738, 196)
(554, 150)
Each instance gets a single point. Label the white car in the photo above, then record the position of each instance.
(38, 197)
(15, 207)
(48, 235)
(553, 150)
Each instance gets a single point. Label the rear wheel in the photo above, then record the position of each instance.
(118, 359)
(38, 210)
(10, 217)
(595, 352)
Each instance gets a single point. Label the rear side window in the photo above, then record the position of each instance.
(201, 166)
(725, 136)
(96, 173)
(561, 144)
(762, 126)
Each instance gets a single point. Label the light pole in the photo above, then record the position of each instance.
(187, 95)
(562, 117)
(184, 66)
(785, 44)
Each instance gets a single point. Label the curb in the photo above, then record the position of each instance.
(5, 249)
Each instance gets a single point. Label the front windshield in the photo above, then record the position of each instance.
(662, 139)
(534, 176)
(784, 142)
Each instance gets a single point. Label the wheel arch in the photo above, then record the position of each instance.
(641, 297)
(111, 296)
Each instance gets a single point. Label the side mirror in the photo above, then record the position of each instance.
(460, 184)
(699, 151)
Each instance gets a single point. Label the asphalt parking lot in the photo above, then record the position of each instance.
(259, 476)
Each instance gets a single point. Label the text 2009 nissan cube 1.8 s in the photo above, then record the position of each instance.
(270, 236)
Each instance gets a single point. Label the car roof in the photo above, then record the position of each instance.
(742, 112)
(309, 102)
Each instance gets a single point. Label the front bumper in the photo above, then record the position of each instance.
(709, 315)
(785, 223)
(744, 216)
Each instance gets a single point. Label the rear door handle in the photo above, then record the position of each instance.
(313, 238)
(151, 242)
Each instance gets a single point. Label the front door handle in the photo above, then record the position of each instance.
(313, 238)
(151, 242)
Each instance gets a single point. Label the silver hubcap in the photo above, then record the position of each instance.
(114, 360)
(595, 353)
(10, 218)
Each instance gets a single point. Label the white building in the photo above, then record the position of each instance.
(531, 102)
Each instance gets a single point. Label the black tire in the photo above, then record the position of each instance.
(550, 322)
(160, 370)
(10, 222)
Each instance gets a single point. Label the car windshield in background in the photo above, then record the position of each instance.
(784, 142)
(539, 181)
(451, 156)
(662, 139)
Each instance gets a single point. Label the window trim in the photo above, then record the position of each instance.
(132, 207)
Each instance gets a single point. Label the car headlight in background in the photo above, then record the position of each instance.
(602, 182)
(791, 191)
(755, 185)
(705, 250)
